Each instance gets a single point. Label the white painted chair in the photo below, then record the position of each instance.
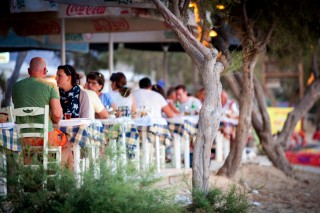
(10, 114)
(43, 127)
(8, 110)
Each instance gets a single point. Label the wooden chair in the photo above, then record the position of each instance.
(43, 133)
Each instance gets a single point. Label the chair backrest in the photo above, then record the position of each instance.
(34, 111)
(8, 111)
(10, 114)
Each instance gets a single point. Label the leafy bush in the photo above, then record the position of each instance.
(232, 201)
(114, 191)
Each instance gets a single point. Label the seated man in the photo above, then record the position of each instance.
(187, 104)
(145, 97)
(35, 91)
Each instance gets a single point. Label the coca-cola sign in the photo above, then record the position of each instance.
(110, 25)
(110, 3)
(80, 10)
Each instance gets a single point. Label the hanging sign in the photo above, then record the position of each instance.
(111, 3)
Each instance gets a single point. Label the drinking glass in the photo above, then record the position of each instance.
(67, 115)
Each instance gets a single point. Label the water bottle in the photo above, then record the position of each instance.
(193, 108)
(178, 105)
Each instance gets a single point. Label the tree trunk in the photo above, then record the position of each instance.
(262, 126)
(195, 78)
(301, 108)
(233, 160)
(208, 126)
(205, 60)
(14, 77)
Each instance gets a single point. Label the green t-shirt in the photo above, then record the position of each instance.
(33, 92)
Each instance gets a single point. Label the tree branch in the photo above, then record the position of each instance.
(314, 66)
(266, 39)
(261, 101)
(245, 23)
(302, 107)
(177, 26)
(175, 8)
(184, 8)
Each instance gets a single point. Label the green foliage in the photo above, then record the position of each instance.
(218, 201)
(236, 64)
(121, 190)
(124, 190)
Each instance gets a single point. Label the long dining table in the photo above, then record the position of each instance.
(182, 129)
(83, 133)
(154, 131)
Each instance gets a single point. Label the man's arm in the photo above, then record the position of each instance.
(167, 110)
(103, 114)
(55, 110)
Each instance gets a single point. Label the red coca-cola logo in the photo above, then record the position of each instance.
(80, 10)
(38, 28)
(110, 25)
(101, 25)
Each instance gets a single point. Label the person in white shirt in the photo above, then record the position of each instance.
(229, 116)
(186, 103)
(230, 111)
(152, 100)
(120, 93)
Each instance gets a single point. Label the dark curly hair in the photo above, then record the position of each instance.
(97, 76)
(70, 71)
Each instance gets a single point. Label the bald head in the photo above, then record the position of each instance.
(37, 67)
(224, 97)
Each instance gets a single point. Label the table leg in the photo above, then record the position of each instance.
(177, 151)
(158, 153)
(187, 152)
(3, 179)
(113, 146)
(145, 151)
(123, 153)
(137, 155)
(219, 147)
(76, 163)
(226, 147)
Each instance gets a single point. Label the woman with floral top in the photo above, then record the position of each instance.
(73, 99)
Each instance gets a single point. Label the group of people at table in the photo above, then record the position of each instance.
(75, 97)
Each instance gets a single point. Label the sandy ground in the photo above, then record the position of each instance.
(267, 188)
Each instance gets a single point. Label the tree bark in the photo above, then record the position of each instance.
(233, 160)
(262, 126)
(208, 126)
(252, 47)
(205, 60)
(261, 121)
(302, 107)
